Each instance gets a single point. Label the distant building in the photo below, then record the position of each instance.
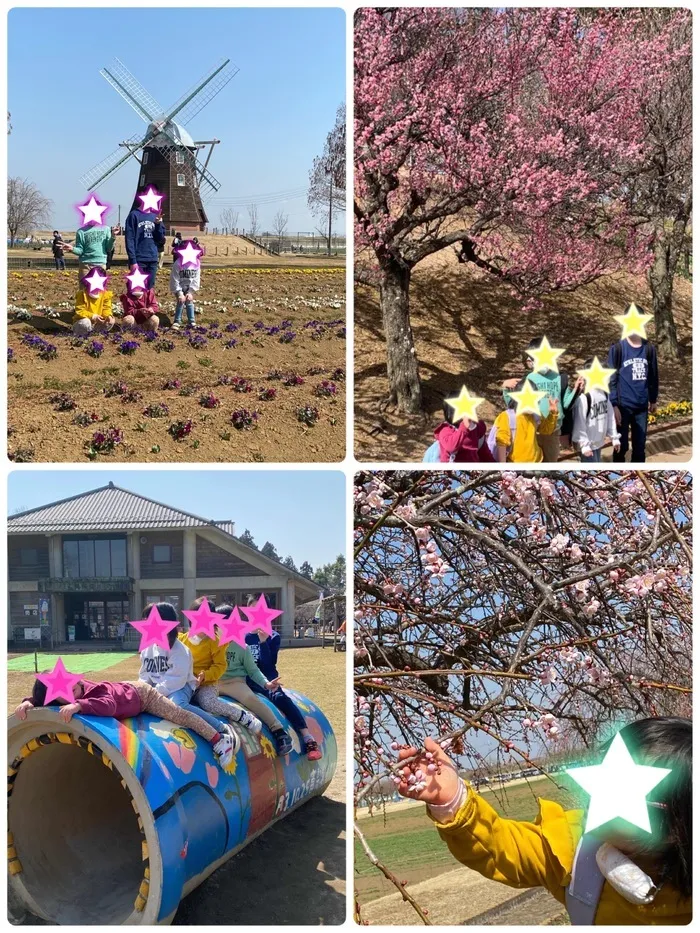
(80, 568)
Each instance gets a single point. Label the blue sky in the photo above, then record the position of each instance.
(302, 512)
(272, 118)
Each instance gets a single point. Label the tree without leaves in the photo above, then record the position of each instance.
(327, 179)
(229, 219)
(306, 570)
(27, 208)
(279, 226)
(525, 162)
(253, 227)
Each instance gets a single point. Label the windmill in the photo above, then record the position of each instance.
(169, 158)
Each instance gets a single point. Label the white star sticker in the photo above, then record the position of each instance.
(150, 201)
(95, 282)
(92, 211)
(618, 787)
(137, 279)
(189, 255)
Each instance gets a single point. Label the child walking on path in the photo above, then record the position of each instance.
(461, 443)
(239, 666)
(208, 665)
(594, 420)
(265, 648)
(170, 672)
(184, 283)
(646, 879)
(125, 699)
(634, 391)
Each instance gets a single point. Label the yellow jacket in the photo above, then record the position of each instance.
(208, 656)
(525, 446)
(90, 306)
(541, 854)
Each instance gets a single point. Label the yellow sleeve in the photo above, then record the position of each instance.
(548, 424)
(515, 852)
(217, 668)
(106, 305)
(82, 307)
(502, 425)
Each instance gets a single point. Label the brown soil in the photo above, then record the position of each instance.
(39, 433)
(469, 329)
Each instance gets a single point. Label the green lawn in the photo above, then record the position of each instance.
(407, 839)
(76, 663)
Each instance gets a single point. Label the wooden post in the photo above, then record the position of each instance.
(335, 624)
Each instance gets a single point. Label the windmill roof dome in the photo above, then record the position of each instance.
(176, 132)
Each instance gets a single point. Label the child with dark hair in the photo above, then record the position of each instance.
(208, 665)
(634, 392)
(461, 443)
(593, 422)
(240, 666)
(170, 672)
(264, 649)
(516, 438)
(632, 877)
(144, 232)
(125, 699)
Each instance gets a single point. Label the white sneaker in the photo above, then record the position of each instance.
(224, 750)
(177, 325)
(250, 722)
(235, 738)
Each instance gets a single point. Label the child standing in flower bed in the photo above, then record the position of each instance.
(646, 878)
(184, 284)
(264, 648)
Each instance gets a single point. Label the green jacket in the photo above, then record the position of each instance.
(240, 663)
(92, 245)
(550, 383)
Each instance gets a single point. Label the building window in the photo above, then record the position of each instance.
(94, 557)
(181, 181)
(162, 554)
(180, 157)
(144, 161)
(173, 598)
(28, 557)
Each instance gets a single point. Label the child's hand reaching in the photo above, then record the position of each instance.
(23, 708)
(433, 769)
(272, 685)
(68, 711)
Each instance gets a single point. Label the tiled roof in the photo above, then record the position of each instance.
(109, 508)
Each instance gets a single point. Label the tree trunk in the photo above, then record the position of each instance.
(402, 365)
(661, 284)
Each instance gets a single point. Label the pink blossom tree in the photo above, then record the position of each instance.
(513, 133)
(516, 615)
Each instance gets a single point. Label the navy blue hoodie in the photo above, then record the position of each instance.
(635, 383)
(143, 236)
(265, 653)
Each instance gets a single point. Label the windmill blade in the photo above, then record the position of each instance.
(108, 166)
(133, 92)
(203, 92)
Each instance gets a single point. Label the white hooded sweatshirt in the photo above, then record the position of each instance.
(167, 671)
(183, 280)
(591, 427)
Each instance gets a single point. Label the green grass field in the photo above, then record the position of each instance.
(79, 663)
(408, 843)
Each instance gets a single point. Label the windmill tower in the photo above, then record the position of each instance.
(168, 156)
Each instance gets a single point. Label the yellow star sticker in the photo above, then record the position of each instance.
(528, 399)
(597, 376)
(633, 322)
(545, 357)
(465, 405)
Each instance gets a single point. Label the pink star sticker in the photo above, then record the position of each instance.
(203, 620)
(137, 278)
(189, 255)
(150, 201)
(92, 211)
(233, 629)
(95, 282)
(154, 631)
(59, 683)
(260, 616)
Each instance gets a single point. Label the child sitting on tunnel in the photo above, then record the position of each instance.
(265, 649)
(208, 665)
(170, 672)
(623, 875)
(125, 699)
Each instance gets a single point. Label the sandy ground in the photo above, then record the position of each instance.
(237, 305)
(469, 329)
(294, 873)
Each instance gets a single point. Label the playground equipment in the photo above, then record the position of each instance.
(115, 821)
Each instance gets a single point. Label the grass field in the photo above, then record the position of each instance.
(406, 840)
(268, 341)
